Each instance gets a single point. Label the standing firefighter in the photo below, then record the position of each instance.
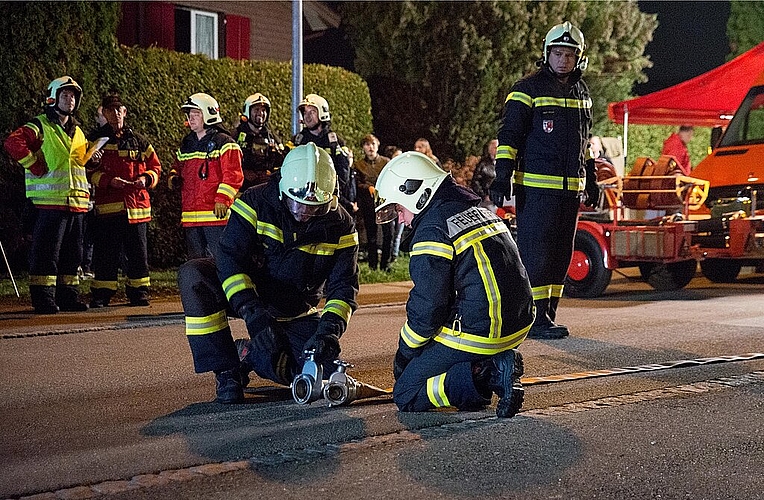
(262, 149)
(314, 111)
(471, 303)
(543, 140)
(208, 171)
(127, 167)
(52, 149)
(286, 246)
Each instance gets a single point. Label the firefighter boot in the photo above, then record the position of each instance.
(43, 299)
(101, 297)
(544, 327)
(68, 299)
(505, 382)
(138, 296)
(228, 387)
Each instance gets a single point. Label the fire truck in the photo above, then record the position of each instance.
(665, 223)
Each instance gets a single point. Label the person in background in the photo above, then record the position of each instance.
(485, 173)
(262, 149)
(287, 245)
(208, 172)
(52, 149)
(422, 145)
(676, 145)
(367, 170)
(543, 140)
(392, 151)
(471, 303)
(314, 111)
(126, 168)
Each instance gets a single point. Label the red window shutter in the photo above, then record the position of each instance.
(159, 28)
(237, 37)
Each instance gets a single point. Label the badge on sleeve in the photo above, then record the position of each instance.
(548, 126)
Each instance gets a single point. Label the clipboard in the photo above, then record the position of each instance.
(97, 145)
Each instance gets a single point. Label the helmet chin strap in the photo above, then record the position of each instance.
(316, 126)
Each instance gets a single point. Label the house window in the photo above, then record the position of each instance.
(196, 32)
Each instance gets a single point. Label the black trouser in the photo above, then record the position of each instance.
(55, 257)
(546, 230)
(112, 236)
(366, 207)
(209, 334)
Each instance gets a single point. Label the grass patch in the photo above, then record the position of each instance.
(164, 284)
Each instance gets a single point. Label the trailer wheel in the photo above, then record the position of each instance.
(721, 270)
(587, 275)
(666, 277)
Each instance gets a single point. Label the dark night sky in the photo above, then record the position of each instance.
(691, 39)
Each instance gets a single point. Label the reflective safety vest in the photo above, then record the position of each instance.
(66, 184)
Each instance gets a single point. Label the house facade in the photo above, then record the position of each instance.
(259, 30)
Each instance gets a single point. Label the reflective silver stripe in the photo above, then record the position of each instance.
(436, 391)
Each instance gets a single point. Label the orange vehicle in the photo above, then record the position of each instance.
(724, 230)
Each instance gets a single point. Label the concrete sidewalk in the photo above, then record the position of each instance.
(19, 319)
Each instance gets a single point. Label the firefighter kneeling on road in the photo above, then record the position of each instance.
(287, 244)
(471, 304)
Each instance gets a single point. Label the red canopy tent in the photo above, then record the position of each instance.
(708, 100)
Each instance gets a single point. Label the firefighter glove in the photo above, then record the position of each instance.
(175, 182)
(592, 190)
(501, 187)
(257, 319)
(327, 347)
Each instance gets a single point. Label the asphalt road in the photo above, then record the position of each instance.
(106, 404)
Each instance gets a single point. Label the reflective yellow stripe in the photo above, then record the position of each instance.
(548, 181)
(206, 216)
(480, 345)
(347, 241)
(556, 291)
(541, 292)
(506, 152)
(110, 208)
(492, 293)
(519, 97)
(207, 324)
(138, 282)
(436, 391)
(28, 160)
(138, 213)
(237, 283)
(247, 212)
(477, 235)
(433, 248)
(42, 280)
(226, 190)
(270, 230)
(411, 338)
(34, 128)
(562, 102)
(68, 279)
(340, 308)
(109, 285)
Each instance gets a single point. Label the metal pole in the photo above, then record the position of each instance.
(8, 266)
(625, 137)
(296, 63)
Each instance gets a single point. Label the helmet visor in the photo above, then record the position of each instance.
(387, 213)
(303, 212)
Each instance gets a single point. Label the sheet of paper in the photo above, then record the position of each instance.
(98, 144)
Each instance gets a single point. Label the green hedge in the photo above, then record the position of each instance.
(154, 82)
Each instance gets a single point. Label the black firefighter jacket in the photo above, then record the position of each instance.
(471, 291)
(268, 259)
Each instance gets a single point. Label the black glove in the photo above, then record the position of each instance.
(257, 319)
(174, 182)
(501, 187)
(403, 357)
(327, 347)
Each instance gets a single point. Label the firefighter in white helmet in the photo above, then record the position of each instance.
(263, 150)
(52, 149)
(208, 172)
(314, 111)
(543, 141)
(287, 245)
(471, 304)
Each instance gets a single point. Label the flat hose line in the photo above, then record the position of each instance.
(684, 363)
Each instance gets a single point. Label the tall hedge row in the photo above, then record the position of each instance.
(153, 83)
